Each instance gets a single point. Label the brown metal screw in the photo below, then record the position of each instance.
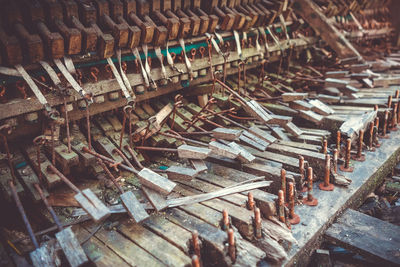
(293, 217)
(371, 134)
(250, 201)
(360, 156)
(385, 125)
(335, 160)
(310, 200)
(346, 167)
(257, 222)
(326, 185)
(394, 118)
(231, 242)
(325, 146)
(338, 134)
(195, 261)
(301, 171)
(195, 243)
(283, 184)
(225, 219)
(281, 208)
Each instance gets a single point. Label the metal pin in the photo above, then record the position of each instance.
(195, 243)
(338, 134)
(195, 261)
(360, 156)
(335, 160)
(281, 208)
(310, 200)
(302, 174)
(325, 146)
(231, 242)
(293, 217)
(394, 118)
(257, 222)
(250, 201)
(283, 184)
(385, 125)
(225, 219)
(346, 167)
(326, 185)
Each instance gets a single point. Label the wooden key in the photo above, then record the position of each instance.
(120, 31)
(31, 43)
(71, 16)
(172, 24)
(240, 18)
(118, 13)
(192, 11)
(194, 19)
(54, 16)
(88, 15)
(11, 49)
(250, 12)
(160, 31)
(146, 27)
(213, 19)
(225, 20)
(184, 22)
(53, 41)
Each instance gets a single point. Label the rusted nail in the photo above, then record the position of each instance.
(257, 222)
(389, 103)
(225, 219)
(293, 217)
(250, 201)
(195, 243)
(281, 207)
(346, 167)
(325, 146)
(195, 261)
(283, 184)
(393, 123)
(338, 135)
(310, 200)
(302, 174)
(359, 156)
(231, 242)
(396, 95)
(371, 135)
(375, 137)
(326, 185)
(335, 160)
(385, 125)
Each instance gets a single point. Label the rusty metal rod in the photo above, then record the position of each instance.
(49, 207)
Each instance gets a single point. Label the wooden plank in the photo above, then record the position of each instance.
(92, 205)
(154, 244)
(262, 134)
(328, 32)
(222, 150)
(193, 152)
(287, 97)
(367, 235)
(176, 235)
(315, 148)
(157, 200)
(135, 209)
(181, 173)
(71, 247)
(155, 181)
(97, 252)
(226, 133)
(130, 252)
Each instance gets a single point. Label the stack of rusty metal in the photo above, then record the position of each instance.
(203, 133)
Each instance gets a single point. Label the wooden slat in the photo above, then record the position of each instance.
(368, 236)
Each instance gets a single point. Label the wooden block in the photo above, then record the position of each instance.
(329, 99)
(222, 150)
(64, 159)
(226, 133)
(300, 105)
(292, 129)
(244, 155)
(155, 181)
(256, 139)
(133, 207)
(41, 257)
(12, 49)
(193, 152)
(115, 123)
(199, 165)
(337, 83)
(366, 235)
(279, 134)
(336, 74)
(71, 247)
(92, 205)
(320, 108)
(181, 173)
(156, 199)
(262, 134)
(287, 97)
(311, 116)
